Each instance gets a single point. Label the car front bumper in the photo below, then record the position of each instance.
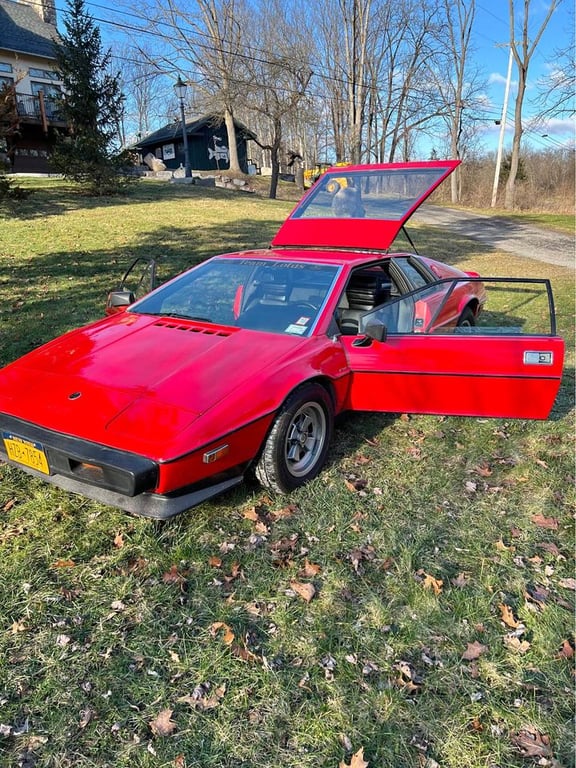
(110, 476)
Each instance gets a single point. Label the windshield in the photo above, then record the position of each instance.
(259, 294)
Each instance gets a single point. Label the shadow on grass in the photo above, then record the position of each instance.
(55, 199)
(47, 295)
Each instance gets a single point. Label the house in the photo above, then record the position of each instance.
(28, 68)
(207, 144)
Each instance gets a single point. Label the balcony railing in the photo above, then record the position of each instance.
(39, 107)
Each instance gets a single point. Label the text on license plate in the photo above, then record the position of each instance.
(26, 452)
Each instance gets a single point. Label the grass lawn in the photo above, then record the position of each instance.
(410, 608)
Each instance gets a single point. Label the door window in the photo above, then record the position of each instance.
(473, 306)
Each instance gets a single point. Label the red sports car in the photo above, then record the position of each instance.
(243, 362)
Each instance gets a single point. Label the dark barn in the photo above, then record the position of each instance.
(207, 145)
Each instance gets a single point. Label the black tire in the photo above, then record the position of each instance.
(467, 319)
(296, 447)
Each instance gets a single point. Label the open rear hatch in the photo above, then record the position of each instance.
(361, 207)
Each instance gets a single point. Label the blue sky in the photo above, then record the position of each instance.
(490, 38)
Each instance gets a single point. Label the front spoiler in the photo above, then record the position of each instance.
(129, 478)
(152, 505)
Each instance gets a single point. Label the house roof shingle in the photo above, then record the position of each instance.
(173, 131)
(22, 30)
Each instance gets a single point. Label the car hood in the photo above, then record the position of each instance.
(112, 379)
(361, 207)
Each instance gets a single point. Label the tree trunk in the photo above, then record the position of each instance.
(522, 52)
(510, 192)
(232, 144)
(275, 159)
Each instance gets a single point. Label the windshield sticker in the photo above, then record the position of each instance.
(303, 321)
(293, 328)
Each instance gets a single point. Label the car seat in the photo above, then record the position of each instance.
(366, 290)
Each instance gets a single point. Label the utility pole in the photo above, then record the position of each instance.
(502, 129)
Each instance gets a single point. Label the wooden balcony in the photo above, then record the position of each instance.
(39, 109)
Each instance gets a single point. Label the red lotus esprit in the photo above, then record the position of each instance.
(243, 362)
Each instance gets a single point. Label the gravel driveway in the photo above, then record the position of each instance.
(503, 234)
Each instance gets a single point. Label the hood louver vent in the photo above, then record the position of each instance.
(190, 328)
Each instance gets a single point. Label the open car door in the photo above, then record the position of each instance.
(509, 364)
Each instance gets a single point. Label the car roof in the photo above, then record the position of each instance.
(361, 207)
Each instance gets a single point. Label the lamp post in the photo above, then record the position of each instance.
(180, 89)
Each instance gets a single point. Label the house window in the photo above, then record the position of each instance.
(49, 90)
(5, 67)
(5, 81)
(45, 74)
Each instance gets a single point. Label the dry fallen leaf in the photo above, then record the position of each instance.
(281, 514)
(309, 570)
(228, 637)
(473, 651)
(251, 514)
(408, 679)
(429, 582)
(118, 540)
(461, 581)
(531, 743)
(203, 697)
(173, 576)
(86, 716)
(566, 650)
(356, 762)
(61, 563)
(516, 644)
(501, 547)
(567, 583)
(18, 626)
(215, 562)
(550, 547)
(162, 725)
(305, 590)
(545, 522)
(507, 616)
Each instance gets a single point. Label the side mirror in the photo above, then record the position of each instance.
(118, 301)
(377, 331)
(138, 280)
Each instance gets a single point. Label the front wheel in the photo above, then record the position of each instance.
(296, 447)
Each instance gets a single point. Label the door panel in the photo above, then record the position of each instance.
(491, 370)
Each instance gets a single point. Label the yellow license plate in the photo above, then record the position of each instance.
(26, 452)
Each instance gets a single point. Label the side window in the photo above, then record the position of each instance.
(414, 276)
(482, 307)
(367, 288)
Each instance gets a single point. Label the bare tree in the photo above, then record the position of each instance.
(345, 42)
(203, 41)
(457, 85)
(559, 88)
(402, 94)
(522, 49)
(142, 85)
(278, 79)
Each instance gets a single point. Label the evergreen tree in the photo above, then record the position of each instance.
(8, 128)
(92, 106)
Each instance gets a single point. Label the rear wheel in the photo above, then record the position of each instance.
(467, 319)
(296, 448)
